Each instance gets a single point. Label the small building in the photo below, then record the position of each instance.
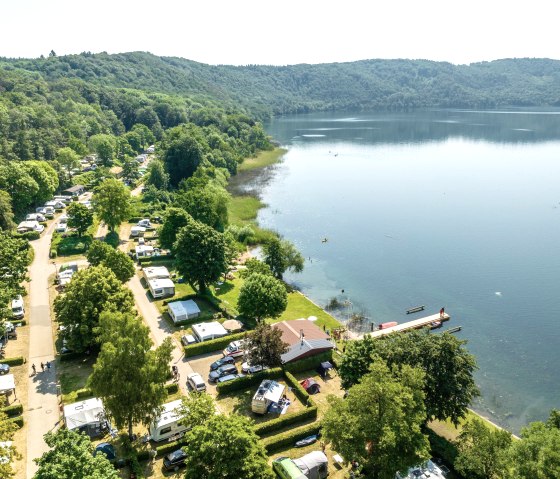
(86, 416)
(304, 339)
(155, 272)
(168, 423)
(143, 251)
(161, 288)
(73, 191)
(183, 310)
(137, 231)
(208, 331)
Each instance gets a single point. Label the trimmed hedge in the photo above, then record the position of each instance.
(21, 322)
(147, 259)
(172, 446)
(212, 345)
(247, 381)
(53, 253)
(84, 393)
(30, 235)
(288, 439)
(17, 361)
(299, 390)
(17, 420)
(14, 410)
(286, 420)
(172, 388)
(306, 364)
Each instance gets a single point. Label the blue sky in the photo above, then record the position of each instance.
(244, 32)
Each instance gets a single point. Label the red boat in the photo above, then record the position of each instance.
(389, 324)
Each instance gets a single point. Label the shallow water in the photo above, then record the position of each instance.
(443, 208)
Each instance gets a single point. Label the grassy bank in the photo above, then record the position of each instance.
(263, 158)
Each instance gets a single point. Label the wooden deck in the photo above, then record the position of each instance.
(415, 324)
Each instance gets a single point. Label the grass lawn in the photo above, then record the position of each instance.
(243, 210)
(263, 158)
(73, 376)
(448, 430)
(330, 386)
(239, 402)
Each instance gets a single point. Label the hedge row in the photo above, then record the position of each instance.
(14, 410)
(29, 235)
(172, 388)
(307, 364)
(299, 390)
(147, 259)
(17, 420)
(20, 322)
(286, 420)
(289, 438)
(14, 361)
(170, 447)
(83, 393)
(247, 381)
(212, 345)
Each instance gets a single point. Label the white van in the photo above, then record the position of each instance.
(145, 223)
(18, 309)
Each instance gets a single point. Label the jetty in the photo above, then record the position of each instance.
(415, 324)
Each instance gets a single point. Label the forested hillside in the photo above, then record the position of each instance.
(265, 90)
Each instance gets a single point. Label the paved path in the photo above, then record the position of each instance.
(43, 408)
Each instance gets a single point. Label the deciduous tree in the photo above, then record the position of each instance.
(68, 158)
(79, 217)
(175, 219)
(157, 175)
(197, 408)
(207, 204)
(6, 213)
(9, 452)
(264, 346)
(182, 157)
(111, 202)
(254, 265)
(281, 255)
(104, 145)
(262, 296)
(200, 254)
(71, 456)
(225, 447)
(14, 259)
(379, 423)
(129, 375)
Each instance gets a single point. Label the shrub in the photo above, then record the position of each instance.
(20, 322)
(112, 239)
(306, 364)
(31, 235)
(288, 439)
(53, 253)
(212, 345)
(14, 410)
(14, 361)
(17, 420)
(286, 420)
(247, 381)
(84, 393)
(172, 446)
(172, 388)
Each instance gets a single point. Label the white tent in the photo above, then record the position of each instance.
(86, 416)
(207, 331)
(7, 384)
(183, 310)
(314, 465)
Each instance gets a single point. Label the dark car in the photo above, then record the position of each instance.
(221, 362)
(4, 368)
(224, 370)
(174, 460)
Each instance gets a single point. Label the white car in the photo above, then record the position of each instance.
(61, 228)
(63, 219)
(145, 223)
(246, 368)
(234, 349)
(195, 382)
(18, 310)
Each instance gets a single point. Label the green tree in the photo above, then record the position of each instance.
(182, 157)
(14, 258)
(449, 381)
(68, 158)
(200, 255)
(111, 202)
(7, 430)
(120, 264)
(129, 376)
(71, 456)
(379, 423)
(46, 178)
(264, 346)
(253, 265)
(21, 187)
(208, 204)
(97, 252)
(175, 219)
(262, 296)
(281, 255)
(91, 291)
(79, 217)
(225, 447)
(104, 145)
(197, 408)
(6, 213)
(157, 175)
(482, 451)
(130, 169)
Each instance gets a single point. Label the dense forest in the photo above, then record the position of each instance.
(272, 90)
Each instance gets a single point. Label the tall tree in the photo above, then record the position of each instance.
(200, 255)
(22, 188)
(262, 296)
(6, 213)
(129, 375)
(104, 145)
(208, 204)
(281, 255)
(7, 452)
(46, 178)
(120, 264)
(79, 217)
(14, 259)
(379, 423)
(97, 252)
(182, 157)
(264, 346)
(225, 447)
(197, 408)
(91, 291)
(483, 451)
(111, 202)
(68, 158)
(449, 381)
(175, 219)
(157, 175)
(71, 456)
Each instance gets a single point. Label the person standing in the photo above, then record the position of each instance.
(42, 367)
(48, 365)
(441, 313)
(34, 369)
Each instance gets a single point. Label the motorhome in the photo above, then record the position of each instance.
(168, 423)
(207, 331)
(269, 392)
(161, 288)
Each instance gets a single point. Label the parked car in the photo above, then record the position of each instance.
(18, 310)
(222, 371)
(35, 217)
(61, 228)
(247, 368)
(188, 339)
(174, 460)
(195, 382)
(235, 349)
(4, 368)
(63, 219)
(229, 377)
(145, 223)
(220, 362)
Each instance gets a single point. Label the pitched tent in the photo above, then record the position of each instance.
(183, 310)
(311, 386)
(324, 368)
(314, 465)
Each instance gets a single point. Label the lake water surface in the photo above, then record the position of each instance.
(443, 208)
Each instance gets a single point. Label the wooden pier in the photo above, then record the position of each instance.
(415, 324)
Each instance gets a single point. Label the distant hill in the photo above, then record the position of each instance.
(265, 90)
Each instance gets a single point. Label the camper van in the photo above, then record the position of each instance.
(311, 466)
(18, 310)
(167, 424)
(269, 392)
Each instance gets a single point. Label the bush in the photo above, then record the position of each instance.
(307, 364)
(53, 253)
(84, 393)
(247, 381)
(286, 420)
(112, 239)
(18, 360)
(20, 322)
(14, 410)
(31, 235)
(172, 446)
(212, 345)
(287, 440)
(17, 420)
(172, 388)
(143, 455)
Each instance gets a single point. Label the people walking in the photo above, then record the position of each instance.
(34, 369)
(48, 365)
(42, 367)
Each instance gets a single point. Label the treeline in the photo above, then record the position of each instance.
(269, 90)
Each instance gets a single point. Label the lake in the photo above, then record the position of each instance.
(459, 209)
